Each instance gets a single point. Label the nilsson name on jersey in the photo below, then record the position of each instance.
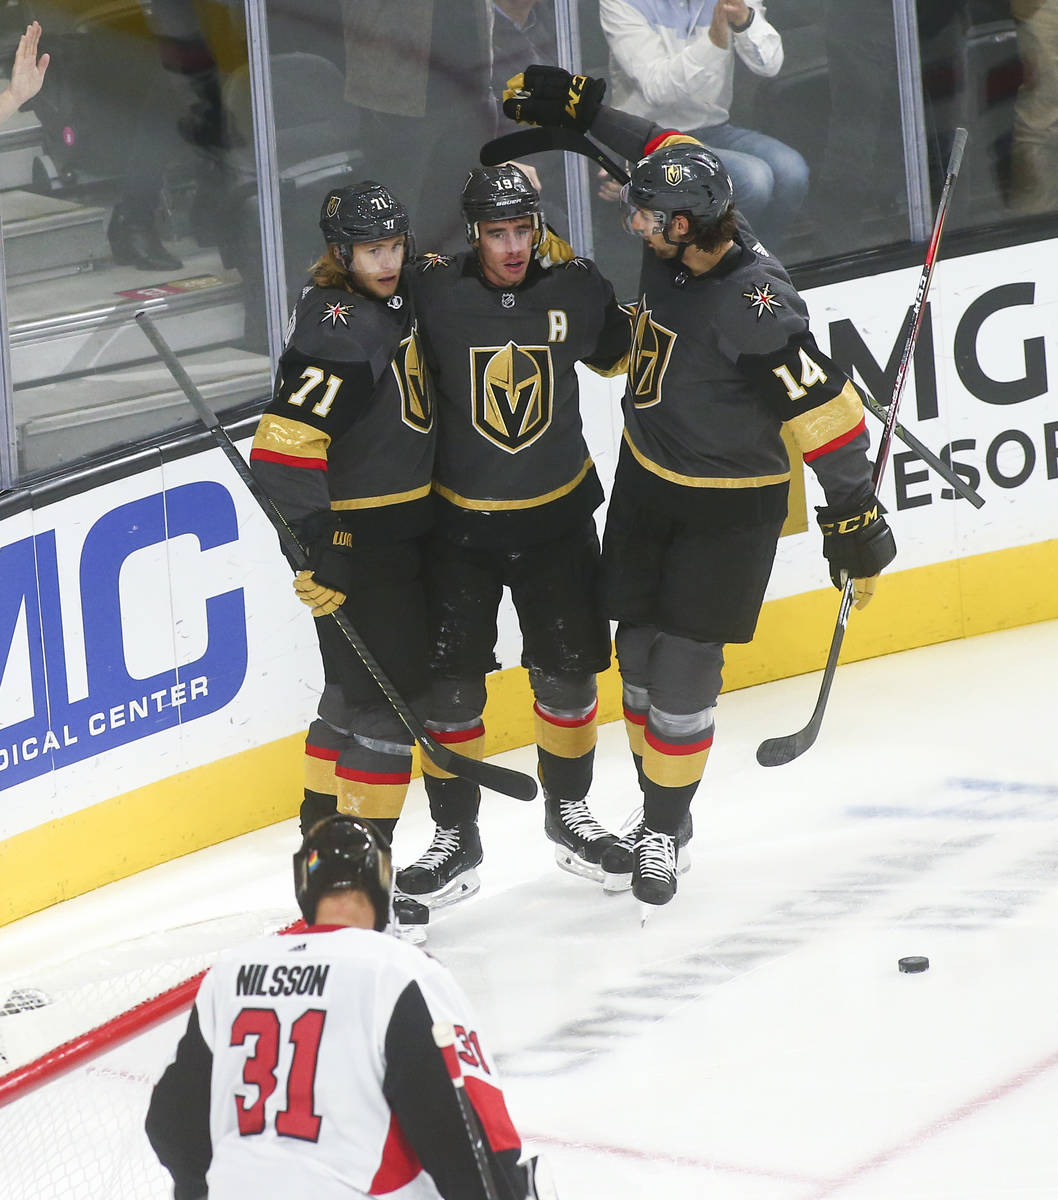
(301, 979)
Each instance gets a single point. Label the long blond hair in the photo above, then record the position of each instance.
(328, 272)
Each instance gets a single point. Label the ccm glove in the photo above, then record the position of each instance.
(318, 596)
(551, 96)
(857, 545)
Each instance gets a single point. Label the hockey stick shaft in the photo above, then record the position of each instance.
(548, 137)
(947, 473)
(444, 1035)
(774, 752)
(485, 774)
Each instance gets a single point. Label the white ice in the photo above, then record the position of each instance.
(755, 1041)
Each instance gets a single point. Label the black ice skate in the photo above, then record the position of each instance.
(654, 870)
(617, 860)
(410, 918)
(580, 840)
(445, 873)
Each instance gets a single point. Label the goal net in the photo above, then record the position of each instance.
(81, 1046)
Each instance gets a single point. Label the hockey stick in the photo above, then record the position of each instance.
(547, 137)
(774, 752)
(926, 454)
(444, 1035)
(485, 774)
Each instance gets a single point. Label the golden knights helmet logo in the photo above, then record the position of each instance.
(413, 383)
(512, 393)
(674, 174)
(648, 358)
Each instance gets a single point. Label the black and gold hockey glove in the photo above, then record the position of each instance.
(329, 579)
(550, 96)
(857, 545)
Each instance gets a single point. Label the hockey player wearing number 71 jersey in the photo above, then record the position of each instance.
(309, 1068)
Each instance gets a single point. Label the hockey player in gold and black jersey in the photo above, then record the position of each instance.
(345, 449)
(722, 357)
(515, 491)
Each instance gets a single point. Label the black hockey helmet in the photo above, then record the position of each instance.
(498, 194)
(680, 178)
(364, 212)
(343, 852)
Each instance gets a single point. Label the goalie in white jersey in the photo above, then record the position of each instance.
(308, 1067)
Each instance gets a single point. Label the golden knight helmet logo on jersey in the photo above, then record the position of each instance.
(513, 393)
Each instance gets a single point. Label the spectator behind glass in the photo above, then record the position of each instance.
(419, 72)
(674, 63)
(1034, 184)
(27, 73)
(523, 31)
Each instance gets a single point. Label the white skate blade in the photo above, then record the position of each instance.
(576, 865)
(462, 887)
(414, 935)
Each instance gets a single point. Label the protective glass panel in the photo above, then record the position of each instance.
(120, 186)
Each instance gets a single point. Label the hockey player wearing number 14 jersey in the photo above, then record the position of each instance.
(515, 490)
(722, 358)
(309, 1068)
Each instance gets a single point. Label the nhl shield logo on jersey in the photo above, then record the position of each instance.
(763, 299)
(413, 383)
(648, 358)
(513, 393)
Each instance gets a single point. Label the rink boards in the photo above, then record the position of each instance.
(158, 674)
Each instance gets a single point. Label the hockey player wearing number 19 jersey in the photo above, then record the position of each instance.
(515, 490)
(722, 357)
(309, 1068)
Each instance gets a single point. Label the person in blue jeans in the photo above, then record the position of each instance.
(673, 62)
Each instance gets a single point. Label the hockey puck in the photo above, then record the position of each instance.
(913, 964)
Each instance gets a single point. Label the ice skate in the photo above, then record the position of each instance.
(654, 871)
(617, 859)
(445, 873)
(580, 841)
(410, 918)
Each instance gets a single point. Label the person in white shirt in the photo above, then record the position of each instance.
(309, 1066)
(673, 62)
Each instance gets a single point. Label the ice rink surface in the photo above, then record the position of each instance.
(755, 1040)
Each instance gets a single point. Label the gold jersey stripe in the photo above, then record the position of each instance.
(678, 139)
(635, 731)
(564, 741)
(320, 776)
(673, 770)
(703, 481)
(508, 505)
(382, 501)
(293, 438)
(361, 799)
(821, 425)
(619, 368)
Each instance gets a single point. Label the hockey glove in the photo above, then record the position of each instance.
(320, 598)
(551, 96)
(329, 578)
(857, 545)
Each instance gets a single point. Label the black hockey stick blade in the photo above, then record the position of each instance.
(538, 138)
(778, 751)
(485, 774)
(946, 472)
